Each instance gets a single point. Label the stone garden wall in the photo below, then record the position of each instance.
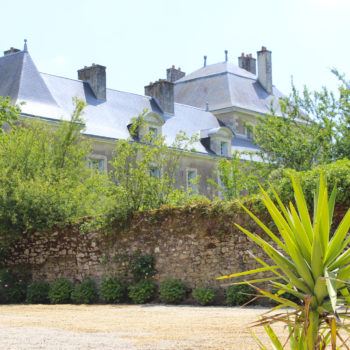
(193, 244)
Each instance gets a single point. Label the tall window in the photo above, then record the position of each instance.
(191, 182)
(153, 133)
(224, 148)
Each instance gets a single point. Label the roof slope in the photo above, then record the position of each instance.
(224, 85)
(51, 97)
(21, 81)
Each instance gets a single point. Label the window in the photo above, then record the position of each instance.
(153, 133)
(224, 148)
(192, 180)
(97, 163)
(154, 172)
(248, 130)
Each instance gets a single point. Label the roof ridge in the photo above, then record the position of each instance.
(81, 81)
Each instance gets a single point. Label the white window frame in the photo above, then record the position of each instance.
(227, 153)
(193, 187)
(98, 157)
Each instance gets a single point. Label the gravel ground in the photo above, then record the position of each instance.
(153, 327)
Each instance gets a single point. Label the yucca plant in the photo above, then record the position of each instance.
(309, 262)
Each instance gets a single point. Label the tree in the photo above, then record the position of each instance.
(44, 179)
(145, 169)
(241, 175)
(304, 134)
(9, 113)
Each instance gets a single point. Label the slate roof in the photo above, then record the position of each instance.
(50, 97)
(224, 85)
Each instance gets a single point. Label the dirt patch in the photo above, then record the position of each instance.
(127, 327)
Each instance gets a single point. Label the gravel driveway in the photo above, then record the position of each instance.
(24, 327)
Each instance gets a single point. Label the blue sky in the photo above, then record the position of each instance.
(137, 40)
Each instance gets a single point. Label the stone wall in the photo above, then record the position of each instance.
(193, 244)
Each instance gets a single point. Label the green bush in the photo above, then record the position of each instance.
(336, 173)
(142, 292)
(60, 291)
(112, 290)
(239, 294)
(85, 292)
(172, 291)
(204, 296)
(142, 267)
(12, 287)
(38, 292)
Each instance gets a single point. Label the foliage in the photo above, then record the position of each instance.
(142, 266)
(85, 292)
(60, 291)
(172, 291)
(12, 287)
(9, 113)
(240, 175)
(204, 296)
(142, 292)
(44, 180)
(337, 173)
(310, 263)
(38, 292)
(237, 295)
(112, 290)
(313, 129)
(145, 169)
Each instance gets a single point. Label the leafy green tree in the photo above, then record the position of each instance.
(304, 135)
(342, 144)
(9, 113)
(240, 175)
(44, 179)
(145, 169)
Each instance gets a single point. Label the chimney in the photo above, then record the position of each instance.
(205, 61)
(265, 69)
(10, 51)
(95, 75)
(247, 62)
(163, 91)
(173, 74)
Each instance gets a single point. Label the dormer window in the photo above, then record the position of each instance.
(218, 140)
(149, 128)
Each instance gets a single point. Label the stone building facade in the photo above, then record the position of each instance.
(218, 104)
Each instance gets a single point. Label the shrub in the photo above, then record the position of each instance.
(172, 291)
(142, 292)
(85, 292)
(239, 294)
(12, 287)
(113, 290)
(38, 293)
(142, 267)
(60, 291)
(203, 296)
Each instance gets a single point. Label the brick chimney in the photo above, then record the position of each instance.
(163, 91)
(10, 51)
(95, 75)
(265, 69)
(173, 74)
(247, 62)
